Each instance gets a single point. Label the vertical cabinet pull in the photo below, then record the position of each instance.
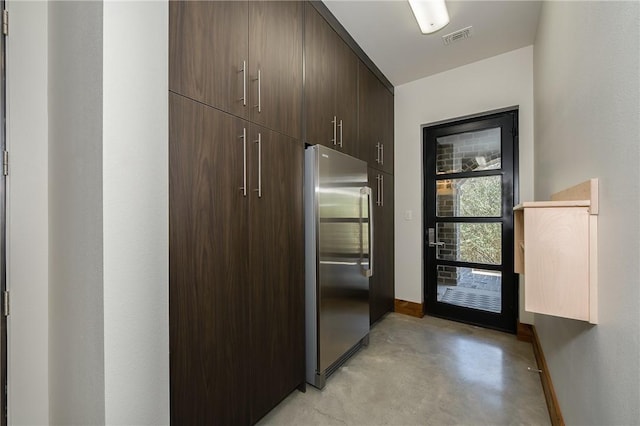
(382, 154)
(378, 152)
(382, 190)
(259, 80)
(244, 83)
(378, 202)
(340, 125)
(335, 138)
(259, 142)
(243, 136)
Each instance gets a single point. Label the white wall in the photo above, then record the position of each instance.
(136, 224)
(502, 81)
(88, 213)
(27, 214)
(76, 319)
(587, 108)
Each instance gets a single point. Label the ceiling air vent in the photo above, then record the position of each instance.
(457, 36)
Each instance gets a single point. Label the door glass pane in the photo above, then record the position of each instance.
(471, 197)
(470, 242)
(469, 152)
(471, 288)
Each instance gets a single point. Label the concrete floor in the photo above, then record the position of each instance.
(425, 372)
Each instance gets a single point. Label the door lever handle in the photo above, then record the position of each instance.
(432, 239)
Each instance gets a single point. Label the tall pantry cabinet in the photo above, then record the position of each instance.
(375, 134)
(236, 219)
(238, 119)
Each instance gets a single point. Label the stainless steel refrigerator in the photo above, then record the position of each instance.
(339, 231)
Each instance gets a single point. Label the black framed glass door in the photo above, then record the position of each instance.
(470, 172)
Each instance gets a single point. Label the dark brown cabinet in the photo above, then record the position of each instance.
(236, 269)
(276, 253)
(381, 284)
(241, 57)
(375, 121)
(236, 232)
(208, 266)
(331, 87)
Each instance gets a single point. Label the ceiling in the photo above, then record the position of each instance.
(388, 32)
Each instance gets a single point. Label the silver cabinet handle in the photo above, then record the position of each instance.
(259, 79)
(382, 154)
(259, 142)
(243, 136)
(378, 202)
(244, 83)
(378, 153)
(367, 272)
(335, 138)
(340, 125)
(381, 190)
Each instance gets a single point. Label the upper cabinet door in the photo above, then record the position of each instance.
(275, 58)
(346, 87)
(208, 53)
(370, 113)
(387, 148)
(319, 99)
(375, 121)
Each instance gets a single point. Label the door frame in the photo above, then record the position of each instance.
(507, 319)
(3, 225)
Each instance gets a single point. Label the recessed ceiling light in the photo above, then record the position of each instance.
(431, 15)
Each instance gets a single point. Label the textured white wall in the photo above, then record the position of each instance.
(135, 166)
(587, 109)
(27, 214)
(502, 81)
(76, 328)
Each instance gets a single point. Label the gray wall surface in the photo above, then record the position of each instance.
(27, 215)
(136, 212)
(587, 124)
(76, 327)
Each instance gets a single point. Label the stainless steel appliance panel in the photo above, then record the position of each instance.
(338, 207)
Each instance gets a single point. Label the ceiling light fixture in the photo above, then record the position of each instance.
(431, 15)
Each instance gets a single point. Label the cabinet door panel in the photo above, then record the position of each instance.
(387, 132)
(347, 96)
(277, 266)
(319, 99)
(382, 282)
(275, 40)
(208, 42)
(370, 116)
(208, 266)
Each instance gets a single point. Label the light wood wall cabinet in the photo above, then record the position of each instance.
(556, 250)
(331, 87)
(381, 284)
(375, 126)
(242, 57)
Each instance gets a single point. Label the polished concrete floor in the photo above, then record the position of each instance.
(425, 372)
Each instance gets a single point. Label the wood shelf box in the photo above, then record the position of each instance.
(556, 249)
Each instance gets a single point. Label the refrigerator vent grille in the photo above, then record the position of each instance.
(457, 36)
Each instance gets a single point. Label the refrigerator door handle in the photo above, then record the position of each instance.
(367, 191)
